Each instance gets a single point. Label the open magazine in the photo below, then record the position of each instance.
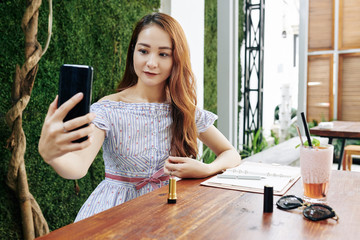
(253, 176)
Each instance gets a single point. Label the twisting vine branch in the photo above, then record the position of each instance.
(49, 28)
(34, 223)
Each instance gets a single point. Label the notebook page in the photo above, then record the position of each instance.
(277, 176)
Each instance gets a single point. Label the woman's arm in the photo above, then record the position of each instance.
(75, 164)
(227, 157)
(70, 160)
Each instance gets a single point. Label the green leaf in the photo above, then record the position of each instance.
(314, 141)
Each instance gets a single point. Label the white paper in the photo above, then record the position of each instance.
(277, 176)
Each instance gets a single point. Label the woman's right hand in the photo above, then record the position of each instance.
(56, 136)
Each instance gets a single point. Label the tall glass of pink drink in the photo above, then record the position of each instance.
(315, 165)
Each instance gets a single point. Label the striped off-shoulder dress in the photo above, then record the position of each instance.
(135, 148)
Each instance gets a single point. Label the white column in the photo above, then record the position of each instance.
(227, 68)
(303, 55)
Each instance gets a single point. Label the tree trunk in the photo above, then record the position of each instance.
(33, 222)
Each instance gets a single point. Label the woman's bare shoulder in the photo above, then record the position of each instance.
(112, 97)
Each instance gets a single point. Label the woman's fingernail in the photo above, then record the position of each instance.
(78, 95)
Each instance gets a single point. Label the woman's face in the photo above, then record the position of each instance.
(153, 58)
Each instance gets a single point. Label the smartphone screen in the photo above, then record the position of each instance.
(75, 79)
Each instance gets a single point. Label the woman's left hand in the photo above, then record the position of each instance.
(184, 167)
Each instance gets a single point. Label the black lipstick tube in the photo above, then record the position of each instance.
(268, 199)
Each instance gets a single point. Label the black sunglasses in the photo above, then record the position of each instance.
(314, 212)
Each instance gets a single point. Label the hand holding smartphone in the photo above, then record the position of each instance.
(75, 79)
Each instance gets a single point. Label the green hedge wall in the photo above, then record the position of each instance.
(210, 58)
(88, 32)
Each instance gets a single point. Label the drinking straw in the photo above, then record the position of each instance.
(306, 129)
(298, 131)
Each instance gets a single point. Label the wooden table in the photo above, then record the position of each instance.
(213, 213)
(341, 130)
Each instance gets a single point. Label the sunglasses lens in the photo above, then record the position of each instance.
(289, 202)
(318, 212)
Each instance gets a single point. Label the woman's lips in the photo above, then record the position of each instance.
(150, 74)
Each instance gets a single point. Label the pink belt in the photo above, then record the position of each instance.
(141, 182)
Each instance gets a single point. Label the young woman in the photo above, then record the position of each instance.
(148, 129)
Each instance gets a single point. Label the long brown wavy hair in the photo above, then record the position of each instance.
(180, 85)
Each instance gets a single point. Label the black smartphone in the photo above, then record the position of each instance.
(75, 79)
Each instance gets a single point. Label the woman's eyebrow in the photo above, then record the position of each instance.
(144, 44)
(147, 45)
(169, 48)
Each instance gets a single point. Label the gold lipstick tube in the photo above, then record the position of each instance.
(172, 191)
